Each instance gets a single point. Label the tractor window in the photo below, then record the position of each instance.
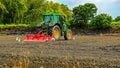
(58, 19)
(48, 18)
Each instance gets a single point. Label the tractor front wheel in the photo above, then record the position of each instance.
(56, 32)
(68, 34)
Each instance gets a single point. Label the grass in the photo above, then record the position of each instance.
(115, 23)
(22, 61)
(2, 26)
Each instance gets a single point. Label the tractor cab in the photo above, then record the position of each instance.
(52, 18)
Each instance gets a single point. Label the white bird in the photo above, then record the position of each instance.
(18, 39)
(53, 39)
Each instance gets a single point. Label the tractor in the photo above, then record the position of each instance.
(52, 27)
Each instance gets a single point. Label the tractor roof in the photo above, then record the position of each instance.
(52, 14)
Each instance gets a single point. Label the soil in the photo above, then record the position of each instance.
(84, 51)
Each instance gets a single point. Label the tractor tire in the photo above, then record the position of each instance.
(56, 32)
(68, 34)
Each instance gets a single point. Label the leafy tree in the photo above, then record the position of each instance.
(83, 13)
(67, 13)
(29, 11)
(35, 10)
(117, 18)
(102, 21)
(2, 8)
(2, 11)
(59, 8)
(15, 8)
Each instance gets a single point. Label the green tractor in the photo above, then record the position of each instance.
(54, 25)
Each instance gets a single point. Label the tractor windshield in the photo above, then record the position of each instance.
(47, 18)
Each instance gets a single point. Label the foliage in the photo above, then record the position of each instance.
(16, 9)
(29, 11)
(34, 12)
(83, 13)
(117, 19)
(2, 11)
(7, 26)
(62, 9)
(115, 23)
(102, 21)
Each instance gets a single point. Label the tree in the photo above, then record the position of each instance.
(102, 21)
(67, 12)
(62, 9)
(29, 11)
(3, 10)
(35, 10)
(117, 18)
(83, 13)
(16, 9)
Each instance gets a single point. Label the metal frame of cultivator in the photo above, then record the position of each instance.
(39, 37)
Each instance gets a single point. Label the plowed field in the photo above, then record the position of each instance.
(93, 51)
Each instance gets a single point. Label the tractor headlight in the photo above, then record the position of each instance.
(50, 24)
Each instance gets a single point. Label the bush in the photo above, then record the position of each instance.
(13, 26)
(2, 26)
(117, 19)
(115, 23)
(22, 25)
(102, 21)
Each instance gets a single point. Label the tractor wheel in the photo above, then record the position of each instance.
(56, 32)
(68, 34)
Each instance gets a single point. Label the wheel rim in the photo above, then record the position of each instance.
(69, 35)
(56, 33)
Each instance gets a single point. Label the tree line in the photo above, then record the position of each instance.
(31, 11)
(86, 16)
(28, 11)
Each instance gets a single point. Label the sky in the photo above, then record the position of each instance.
(111, 7)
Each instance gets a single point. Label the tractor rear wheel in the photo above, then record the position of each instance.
(68, 34)
(56, 32)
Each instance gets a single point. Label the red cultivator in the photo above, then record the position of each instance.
(39, 37)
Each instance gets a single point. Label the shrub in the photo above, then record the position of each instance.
(22, 25)
(117, 19)
(14, 26)
(115, 23)
(102, 21)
